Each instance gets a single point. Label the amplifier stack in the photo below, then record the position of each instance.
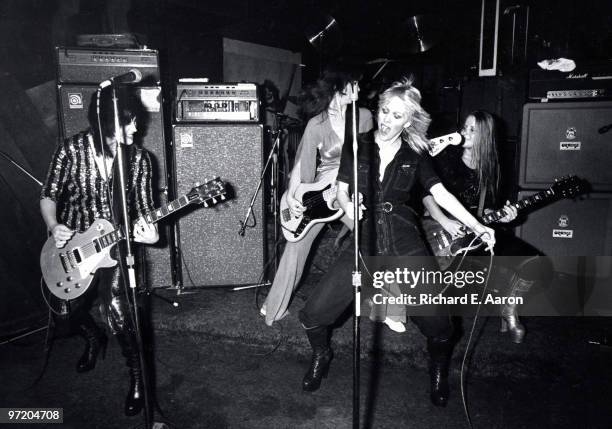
(217, 133)
(569, 138)
(79, 72)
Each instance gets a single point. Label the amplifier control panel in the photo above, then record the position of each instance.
(226, 102)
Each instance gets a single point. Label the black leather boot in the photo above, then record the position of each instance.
(440, 352)
(321, 357)
(134, 401)
(96, 341)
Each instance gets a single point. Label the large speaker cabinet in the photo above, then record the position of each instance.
(570, 229)
(74, 103)
(566, 138)
(211, 251)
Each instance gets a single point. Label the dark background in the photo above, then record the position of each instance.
(188, 35)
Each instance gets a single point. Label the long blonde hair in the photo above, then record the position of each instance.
(415, 134)
(484, 151)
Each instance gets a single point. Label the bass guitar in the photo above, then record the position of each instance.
(69, 271)
(446, 247)
(319, 198)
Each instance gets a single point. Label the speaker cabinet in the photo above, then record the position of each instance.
(211, 251)
(570, 229)
(74, 103)
(564, 138)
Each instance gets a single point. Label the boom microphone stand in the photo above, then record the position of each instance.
(272, 158)
(356, 277)
(129, 256)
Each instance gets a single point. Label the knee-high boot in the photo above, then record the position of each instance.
(440, 352)
(510, 321)
(96, 341)
(134, 401)
(321, 357)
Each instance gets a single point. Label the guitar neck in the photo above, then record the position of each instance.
(167, 209)
(164, 210)
(525, 203)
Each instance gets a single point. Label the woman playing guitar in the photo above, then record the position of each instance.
(325, 102)
(471, 173)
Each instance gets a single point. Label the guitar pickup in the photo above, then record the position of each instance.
(97, 246)
(65, 262)
(286, 215)
(77, 256)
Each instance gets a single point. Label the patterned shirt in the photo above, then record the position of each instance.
(75, 184)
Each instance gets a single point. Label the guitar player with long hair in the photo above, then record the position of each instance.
(471, 173)
(325, 103)
(78, 190)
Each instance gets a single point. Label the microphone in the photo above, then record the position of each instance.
(354, 91)
(132, 76)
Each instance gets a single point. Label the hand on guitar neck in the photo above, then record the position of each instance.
(145, 232)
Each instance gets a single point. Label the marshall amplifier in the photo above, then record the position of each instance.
(91, 65)
(590, 81)
(223, 102)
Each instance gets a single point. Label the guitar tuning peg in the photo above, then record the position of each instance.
(214, 200)
(205, 204)
(197, 183)
(222, 197)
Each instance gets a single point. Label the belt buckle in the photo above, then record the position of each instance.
(387, 207)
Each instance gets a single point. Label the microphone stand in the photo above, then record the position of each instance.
(356, 277)
(129, 256)
(272, 157)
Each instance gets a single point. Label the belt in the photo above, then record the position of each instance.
(385, 207)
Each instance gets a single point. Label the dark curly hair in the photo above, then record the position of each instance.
(316, 97)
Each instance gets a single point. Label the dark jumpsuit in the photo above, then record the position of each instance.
(390, 227)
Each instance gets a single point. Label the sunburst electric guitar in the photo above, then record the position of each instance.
(69, 271)
(447, 247)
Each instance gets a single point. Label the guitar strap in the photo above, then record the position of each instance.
(481, 201)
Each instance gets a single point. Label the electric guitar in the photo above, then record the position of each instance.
(320, 198)
(438, 144)
(69, 271)
(447, 247)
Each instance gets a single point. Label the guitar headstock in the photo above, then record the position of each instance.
(438, 144)
(209, 194)
(568, 186)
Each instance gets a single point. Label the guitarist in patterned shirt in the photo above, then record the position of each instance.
(77, 191)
